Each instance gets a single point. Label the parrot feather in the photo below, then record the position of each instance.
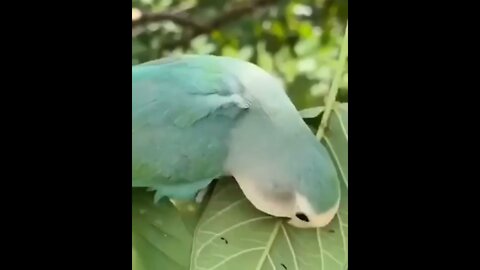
(173, 102)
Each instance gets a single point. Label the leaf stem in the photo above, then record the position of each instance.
(332, 94)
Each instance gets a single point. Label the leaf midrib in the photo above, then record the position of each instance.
(266, 252)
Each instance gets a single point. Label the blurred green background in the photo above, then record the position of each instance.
(298, 40)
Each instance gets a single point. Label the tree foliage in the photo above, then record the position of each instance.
(296, 40)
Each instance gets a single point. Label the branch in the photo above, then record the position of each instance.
(224, 19)
(158, 17)
(332, 94)
(200, 29)
(238, 12)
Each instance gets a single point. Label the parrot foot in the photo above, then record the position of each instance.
(201, 195)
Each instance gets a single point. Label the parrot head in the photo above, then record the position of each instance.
(304, 189)
(316, 196)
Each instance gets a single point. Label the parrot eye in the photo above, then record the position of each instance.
(302, 216)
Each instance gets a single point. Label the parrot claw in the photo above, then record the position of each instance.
(201, 195)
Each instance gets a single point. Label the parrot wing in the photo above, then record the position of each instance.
(182, 112)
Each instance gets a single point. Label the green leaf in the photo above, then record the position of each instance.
(233, 235)
(160, 239)
(299, 92)
(336, 138)
(336, 141)
(201, 45)
(312, 112)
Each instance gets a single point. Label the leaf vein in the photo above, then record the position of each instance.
(320, 247)
(268, 246)
(235, 255)
(337, 161)
(291, 247)
(200, 249)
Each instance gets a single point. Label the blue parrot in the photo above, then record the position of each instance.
(197, 118)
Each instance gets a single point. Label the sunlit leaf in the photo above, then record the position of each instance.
(264, 59)
(312, 112)
(277, 29)
(299, 92)
(229, 51)
(305, 30)
(201, 45)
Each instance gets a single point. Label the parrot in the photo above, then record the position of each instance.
(197, 118)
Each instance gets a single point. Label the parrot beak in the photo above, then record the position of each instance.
(308, 218)
(317, 221)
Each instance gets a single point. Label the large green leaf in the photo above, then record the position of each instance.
(232, 234)
(160, 239)
(336, 141)
(336, 138)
